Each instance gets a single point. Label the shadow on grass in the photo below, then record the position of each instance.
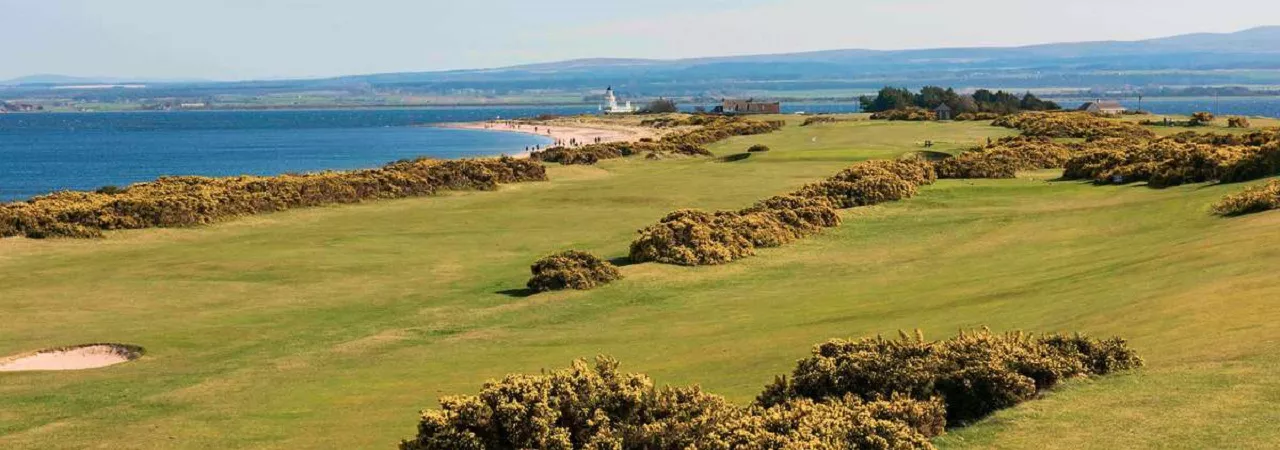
(517, 293)
(931, 155)
(622, 261)
(735, 157)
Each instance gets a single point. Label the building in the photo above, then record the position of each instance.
(1104, 107)
(611, 105)
(748, 107)
(943, 112)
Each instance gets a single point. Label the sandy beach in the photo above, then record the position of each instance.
(563, 135)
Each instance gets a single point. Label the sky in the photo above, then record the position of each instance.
(266, 39)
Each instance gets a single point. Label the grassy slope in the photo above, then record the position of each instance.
(331, 327)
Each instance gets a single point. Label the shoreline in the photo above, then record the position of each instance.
(561, 135)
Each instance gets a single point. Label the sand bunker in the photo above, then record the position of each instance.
(90, 356)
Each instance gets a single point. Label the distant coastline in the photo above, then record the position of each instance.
(561, 134)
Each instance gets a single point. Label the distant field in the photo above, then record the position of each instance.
(332, 327)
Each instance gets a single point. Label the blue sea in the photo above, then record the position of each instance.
(46, 152)
(42, 153)
(1225, 106)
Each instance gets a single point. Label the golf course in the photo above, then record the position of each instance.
(335, 326)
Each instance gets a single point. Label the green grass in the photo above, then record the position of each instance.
(332, 327)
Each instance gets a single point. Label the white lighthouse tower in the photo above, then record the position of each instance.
(611, 106)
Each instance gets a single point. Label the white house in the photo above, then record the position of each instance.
(1104, 107)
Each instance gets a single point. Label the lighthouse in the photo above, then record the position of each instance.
(611, 106)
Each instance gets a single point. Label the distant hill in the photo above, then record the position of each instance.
(52, 79)
(1207, 49)
(1253, 57)
(1178, 60)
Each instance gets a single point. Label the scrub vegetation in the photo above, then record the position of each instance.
(186, 201)
(871, 393)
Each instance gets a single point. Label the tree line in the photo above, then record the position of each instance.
(931, 97)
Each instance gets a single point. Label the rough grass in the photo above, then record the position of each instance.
(331, 327)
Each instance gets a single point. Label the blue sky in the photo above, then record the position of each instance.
(249, 39)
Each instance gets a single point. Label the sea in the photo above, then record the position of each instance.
(46, 152)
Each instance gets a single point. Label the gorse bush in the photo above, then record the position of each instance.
(689, 143)
(1201, 118)
(693, 238)
(1237, 122)
(871, 182)
(861, 394)
(1173, 161)
(1004, 158)
(600, 407)
(186, 201)
(818, 120)
(918, 172)
(866, 191)
(1253, 138)
(974, 374)
(905, 114)
(571, 269)
(962, 117)
(758, 148)
(1256, 199)
(1072, 125)
(801, 215)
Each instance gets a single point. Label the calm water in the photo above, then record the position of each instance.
(1226, 106)
(41, 153)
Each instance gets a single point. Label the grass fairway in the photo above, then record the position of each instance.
(332, 327)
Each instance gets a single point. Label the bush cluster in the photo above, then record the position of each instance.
(185, 201)
(962, 117)
(974, 374)
(1253, 138)
(1004, 158)
(906, 114)
(679, 120)
(599, 407)
(694, 238)
(1072, 125)
(571, 269)
(689, 143)
(1256, 199)
(818, 120)
(865, 191)
(758, 148)
(863, 394)
(1172, 161)
(1238, 122)
(1201, 118)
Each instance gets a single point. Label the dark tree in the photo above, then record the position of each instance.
(659, 106)
(888, 99)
